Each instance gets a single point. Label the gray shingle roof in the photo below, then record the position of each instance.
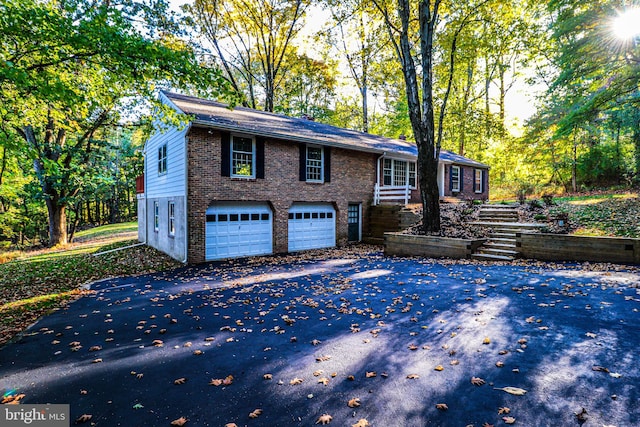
(245, 120)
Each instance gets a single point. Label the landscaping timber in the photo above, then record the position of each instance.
(398, 244)
(560, 247)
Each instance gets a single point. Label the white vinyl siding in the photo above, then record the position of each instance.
(172, 182)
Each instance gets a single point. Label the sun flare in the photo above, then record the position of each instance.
(627, 24)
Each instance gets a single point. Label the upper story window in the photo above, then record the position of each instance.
(398, 173)
(477, 182)
(315, 164)
(162, 159)
(455, 178)
(243, 153)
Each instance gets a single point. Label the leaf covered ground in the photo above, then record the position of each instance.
(342, 337)
(45, 280)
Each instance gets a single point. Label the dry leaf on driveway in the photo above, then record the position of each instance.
(512, 390)
(179, 422)
(324, 419)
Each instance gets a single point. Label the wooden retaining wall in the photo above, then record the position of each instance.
(562, 247)
(397, 244)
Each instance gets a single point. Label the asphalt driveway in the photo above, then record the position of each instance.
(301, 336)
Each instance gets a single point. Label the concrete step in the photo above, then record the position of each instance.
(512, 225)
(489, 257)
(510, 240)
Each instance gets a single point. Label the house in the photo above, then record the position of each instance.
(242, 182)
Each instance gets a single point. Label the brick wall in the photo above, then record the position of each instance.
(468, 176)
(352, 181)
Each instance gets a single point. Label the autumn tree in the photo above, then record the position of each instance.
(71, 68)
(252, 41)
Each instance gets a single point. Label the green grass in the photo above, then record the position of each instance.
(106, 231)
(44, 280)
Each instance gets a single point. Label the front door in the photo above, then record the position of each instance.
(353, 219)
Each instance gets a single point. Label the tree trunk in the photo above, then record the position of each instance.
(57, 222)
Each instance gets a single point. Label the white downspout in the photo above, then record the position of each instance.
(376, 191)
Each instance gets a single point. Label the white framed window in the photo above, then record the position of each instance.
(315, 164)
(172, 218)
(455, 178)
(398, 173)
(156, 216)
(243, 154)
(162, 159)
(477, 181)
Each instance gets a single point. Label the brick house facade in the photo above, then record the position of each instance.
(243, 182)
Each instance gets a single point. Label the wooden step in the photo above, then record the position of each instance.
(493, 251)
(501, 245)
(489, 257)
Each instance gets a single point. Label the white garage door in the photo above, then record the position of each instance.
(236, 230)
(312, 226)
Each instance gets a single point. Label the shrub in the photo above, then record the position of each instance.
(535, 204)
(548, 200)
(540, 217)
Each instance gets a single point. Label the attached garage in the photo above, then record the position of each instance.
(311, 226)
(238, 229)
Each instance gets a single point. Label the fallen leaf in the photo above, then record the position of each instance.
(256, 413)
(267, 376)
(486, 341)
(599, 369)
(503, 410)
(439, 368)
(614, 374)
(83, 418)
(370, 374)
(180, 381)
(582, 415)
(323, 358)
(157, 343)
(477, 381)
(12, 399)
(231, 425)
(487, 425)
(508, 420)
(354, 403)
(179, 422)
(318, 373)
(95, 348)
(324, 419)
(499, 364)
(198, 352)
(228, 380)
(96, 361)
(296, 381)
(413, 376)
(216, 382)
(512, 390)
(441, 406)
(361, 423)
(324, 381)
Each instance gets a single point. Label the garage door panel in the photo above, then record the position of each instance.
(311, 226)
(235, 230)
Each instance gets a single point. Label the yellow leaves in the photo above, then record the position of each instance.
(486, 341)
(354, 403)
(179, 422)
(83, 418)
(255, 413)
(477, 381)
(228, 380)
(12, 399)
(324, 419)
(439, 368)
(512, 390)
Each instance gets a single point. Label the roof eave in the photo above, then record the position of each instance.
(301, 139)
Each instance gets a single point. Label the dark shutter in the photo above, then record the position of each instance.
(461, 179)
(451, 178)
(485, 180)
(225, 153)
(327, 164)
(260, 157)
(303, 162)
